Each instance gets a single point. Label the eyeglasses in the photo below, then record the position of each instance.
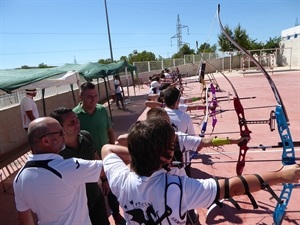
(60, 133)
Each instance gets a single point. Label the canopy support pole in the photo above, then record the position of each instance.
(43, 99)
(107, 97)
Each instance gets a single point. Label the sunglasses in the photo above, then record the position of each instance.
(60, 133)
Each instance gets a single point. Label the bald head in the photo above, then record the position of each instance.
(45, 135)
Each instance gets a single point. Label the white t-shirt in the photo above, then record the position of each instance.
(182, 107)
(28, 104)
(117, 86)
(188, 143)
(56, 200)
(181, 120)
(143, 198)
(167, 75)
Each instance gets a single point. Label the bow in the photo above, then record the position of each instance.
(244, 130)
(288, 154)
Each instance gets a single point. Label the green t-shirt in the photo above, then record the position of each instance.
(96, 124)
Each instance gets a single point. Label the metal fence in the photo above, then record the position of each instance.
(267, 57)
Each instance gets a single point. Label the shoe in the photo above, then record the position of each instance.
(119, 220)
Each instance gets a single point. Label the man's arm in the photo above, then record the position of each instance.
(122, 140)
(289, 174)
(153, 104)
(214, 141)
(121, 151)
(30, 115)
(26, 218)
(111, 135)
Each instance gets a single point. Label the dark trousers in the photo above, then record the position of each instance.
(98, 213)
(113, 203)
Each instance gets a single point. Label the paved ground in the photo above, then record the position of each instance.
(216, 162)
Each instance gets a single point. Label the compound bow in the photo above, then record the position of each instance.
(288, 154)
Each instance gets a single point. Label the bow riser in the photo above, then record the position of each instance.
(288, 153)
(244, 132)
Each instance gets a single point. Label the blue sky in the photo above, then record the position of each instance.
(55, 31)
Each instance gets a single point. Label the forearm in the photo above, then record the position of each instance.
(153, 104)
(26, 218)
(30, 115)
(122, 140)
(111, 136)
(215, 141)
(288, 174)
(236, 186)
(121, 151)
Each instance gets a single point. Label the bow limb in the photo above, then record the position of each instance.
(288, 154)
(271, 82)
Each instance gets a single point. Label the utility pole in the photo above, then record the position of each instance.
(108, 31)
(178, 34)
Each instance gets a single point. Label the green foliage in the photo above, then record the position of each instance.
(272, 43)
(105, 61)
(206, 48)
(142, 56)
(42, 65)
(241, 37)
(224, 43)
(185, 50)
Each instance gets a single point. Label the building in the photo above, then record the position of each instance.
(290, 42)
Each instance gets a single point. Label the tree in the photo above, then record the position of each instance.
(185, 50)
(206, 48)
(241, 37)
(105, 61)
(142, 56)
(224, 43)
(123, 58)
(272, 43)
(42, 65)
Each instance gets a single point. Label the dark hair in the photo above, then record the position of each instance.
(87, 85)
(156, 112)
(171, 96)
(148, 141)
(59, 112)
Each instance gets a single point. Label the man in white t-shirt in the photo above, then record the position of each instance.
(29, 111)
(50, 186)
(118, 92)
(181, 120)
(150, 195)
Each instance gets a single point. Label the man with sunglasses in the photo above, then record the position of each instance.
(50, 186)
(79, 144)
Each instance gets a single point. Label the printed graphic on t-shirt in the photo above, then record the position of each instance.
(144, 213)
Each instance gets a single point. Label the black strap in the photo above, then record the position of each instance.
(247, 192)
(40, 164)
(265, 186)
(233, 202)
(226, 195)
(216, 201)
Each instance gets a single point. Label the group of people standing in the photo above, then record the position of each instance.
(76, 160)
(80, 132)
